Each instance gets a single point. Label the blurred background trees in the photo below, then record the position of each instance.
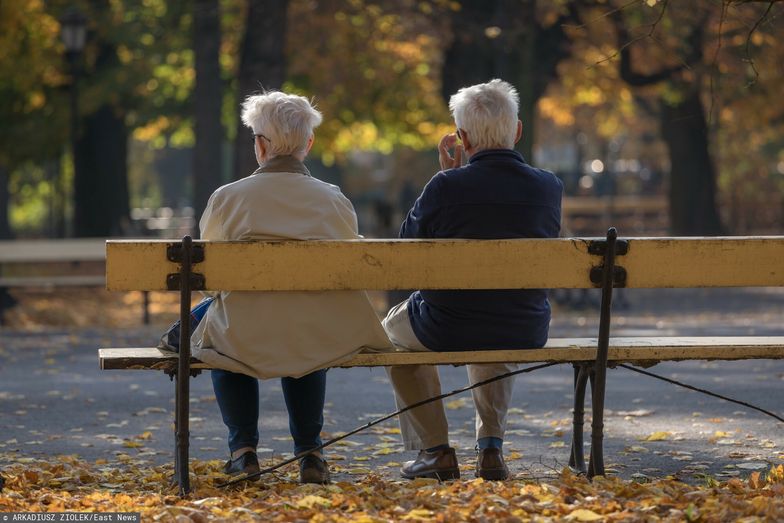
(678, 101)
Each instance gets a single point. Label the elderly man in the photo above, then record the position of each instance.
(250, 335)
(496, 195)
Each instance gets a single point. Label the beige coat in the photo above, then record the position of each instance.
(273, 334)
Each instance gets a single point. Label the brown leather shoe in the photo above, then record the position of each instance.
(440, 465)
(490, 465)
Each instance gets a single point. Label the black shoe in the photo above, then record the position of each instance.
(490, 465)
(439, 464)
(313, 469)
(248, 464)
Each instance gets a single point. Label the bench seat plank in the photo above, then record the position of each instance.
(622, 349)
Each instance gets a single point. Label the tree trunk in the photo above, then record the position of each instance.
(517, 62)
(101, 177)
(692, 173)
(684, 129)
(100, 192)
(262, 66)
(207, 103)
(5, 204)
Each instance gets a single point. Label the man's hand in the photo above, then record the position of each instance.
(444, 157)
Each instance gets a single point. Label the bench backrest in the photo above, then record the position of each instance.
(450, 264)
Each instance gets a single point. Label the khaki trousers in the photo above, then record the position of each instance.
(426, 426)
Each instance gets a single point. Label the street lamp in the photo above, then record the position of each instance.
(73, 26)
(73, 32)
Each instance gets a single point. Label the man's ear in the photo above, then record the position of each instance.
(465, 139)
(519, 133)
(310, 144)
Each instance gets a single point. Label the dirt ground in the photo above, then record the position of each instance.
(68, 307)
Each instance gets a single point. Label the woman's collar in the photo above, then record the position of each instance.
(283, 164)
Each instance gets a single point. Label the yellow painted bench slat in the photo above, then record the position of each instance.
(361, 264)
(451, 264)
(622, 349)
(704, 262)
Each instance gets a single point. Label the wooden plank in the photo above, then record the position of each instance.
(622, 349)
(40, 251)
(445, 264)
(618, 205)
(704, 262)
(52, 281)
(146, 358)
(362, 264)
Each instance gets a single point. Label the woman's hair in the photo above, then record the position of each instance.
(286, 120)
(488, 112)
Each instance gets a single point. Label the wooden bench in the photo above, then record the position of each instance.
(461, 264)
(585, 215)
(77, 262)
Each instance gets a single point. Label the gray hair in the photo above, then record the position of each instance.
(287, 120)
(488, 113)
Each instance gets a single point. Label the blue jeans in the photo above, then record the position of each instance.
(238, 399)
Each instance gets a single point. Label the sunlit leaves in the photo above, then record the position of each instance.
(374, 73)
(29, 77)
(69, 484)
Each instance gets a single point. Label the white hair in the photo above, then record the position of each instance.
(488, 113)
(286, 120)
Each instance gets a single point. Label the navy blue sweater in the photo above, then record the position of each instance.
(495, 196)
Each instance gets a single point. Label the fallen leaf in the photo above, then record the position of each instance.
(418, 513)
(457, 404)
(310, 501)
(635, 413)
(582, 514)
(752, 466)
(754, 480)
(384, 451)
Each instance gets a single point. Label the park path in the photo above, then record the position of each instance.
(54, 399)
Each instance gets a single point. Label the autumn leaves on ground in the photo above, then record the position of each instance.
(129, 483)
(68, 484)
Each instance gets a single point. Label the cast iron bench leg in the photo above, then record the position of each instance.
(599, 374)
(182, 378)
(577, 457)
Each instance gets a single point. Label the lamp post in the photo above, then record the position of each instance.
(73, 32)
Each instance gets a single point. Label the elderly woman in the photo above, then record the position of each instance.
(294, 335)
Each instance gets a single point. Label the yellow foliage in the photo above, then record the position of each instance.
(561, 115)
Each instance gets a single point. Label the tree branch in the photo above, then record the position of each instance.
(748, 40)
(553, 37)
(626, 70)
